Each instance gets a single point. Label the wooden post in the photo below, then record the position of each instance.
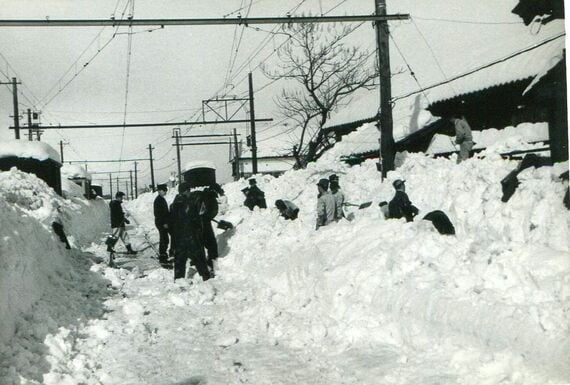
(252, 124)
(385, 123)
(16, 111)
(151, 168)
(177, 136)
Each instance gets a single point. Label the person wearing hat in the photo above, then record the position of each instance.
(400, 206)
(161, 218)
(338, 196)
(118, 222)
(186, 233)
(326, 205)
(254, 196)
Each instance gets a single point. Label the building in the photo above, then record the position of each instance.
(32, 157)
(79, 175)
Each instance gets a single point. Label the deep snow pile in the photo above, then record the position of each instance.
(42, 285)
(363, 302)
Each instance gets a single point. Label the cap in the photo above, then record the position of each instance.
(252, 181)
(119, 194)
(217, 188)
(398, 183)
(182, 187)
(324, 183)
(383, 203)
(162, 187)
(333, 178)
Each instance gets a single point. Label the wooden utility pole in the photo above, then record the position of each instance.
(127, 188)
(136, 182)
(252, 125)
(118, 184)
(177, 136)
(29, 125)
(14, 84)
(385, 123)
(150, 148)
(131, 178)
(236, 157)
(60, 147)
(110, 186)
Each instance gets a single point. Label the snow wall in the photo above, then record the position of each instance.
(502, 282)
(36, 271)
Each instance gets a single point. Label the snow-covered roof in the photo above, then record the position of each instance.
(531, 64)
(436, 47)
(198, 164)
(74, 171)
(268, 165)
(27, 149)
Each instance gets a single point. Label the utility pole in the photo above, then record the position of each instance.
(110, 186)
(236, 157)
(60, 146)
(252, 124)
(117, 184)
(385, 123)
(127, 188)
(150, 148)
(136, 183)
(14, 84)
(131, 178)
(29, 125)
(177, 136)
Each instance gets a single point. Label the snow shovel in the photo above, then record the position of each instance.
(224, 225)
(360, 206)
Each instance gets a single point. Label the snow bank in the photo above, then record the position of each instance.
(73, 171)
(501, 283)
(42, 285)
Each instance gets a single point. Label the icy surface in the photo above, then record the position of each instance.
(370, 301)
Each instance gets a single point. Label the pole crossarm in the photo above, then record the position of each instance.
(205, 122)
(199, 144)
(203, 136)
(105, 161)
(108, 172)
(199, 21)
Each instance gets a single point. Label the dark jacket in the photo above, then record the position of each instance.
(291, 211)
(400, 206)
(254, 197)
(190, 216)
(117, 214)
(161, 213)
(180, 223)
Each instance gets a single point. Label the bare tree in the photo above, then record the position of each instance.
(326, 72)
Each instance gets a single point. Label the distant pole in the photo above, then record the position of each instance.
(110, 186)
(60, 146)
(136, 182)
(131, 178)
(16, 111)
(236, 157)
(127, 188)
(252, 124)
(30, 125)
(177, 135)
(118, 184)
(387, 144)
(151, 168)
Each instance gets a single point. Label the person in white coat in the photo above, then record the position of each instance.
(326, 205)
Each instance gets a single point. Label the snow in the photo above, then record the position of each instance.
(198, 164)
(74, 171)
(498, 141)
(27, 149)
(363, 302)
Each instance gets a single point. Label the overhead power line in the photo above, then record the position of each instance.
(206, 122)
(207, 21)
(520, 52)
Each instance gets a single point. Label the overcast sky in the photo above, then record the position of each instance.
(171, 70)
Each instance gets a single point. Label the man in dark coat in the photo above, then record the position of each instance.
(254, 196)
(441, 222)
(400, 206)
(209, 199)
(161, 219)
(118, 222)
(187, 232)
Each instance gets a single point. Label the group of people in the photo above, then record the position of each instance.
(330, 200)
(185, 225)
